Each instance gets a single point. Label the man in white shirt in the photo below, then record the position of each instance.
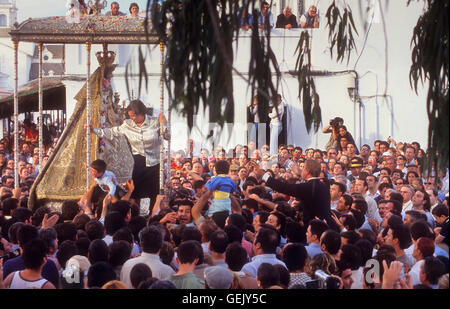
(150, 242)
(407, 193)
(361, 187)
(373, 186)
(276, 125)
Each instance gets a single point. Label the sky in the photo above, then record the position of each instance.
(45, 8)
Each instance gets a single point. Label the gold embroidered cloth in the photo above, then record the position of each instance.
(64, 175)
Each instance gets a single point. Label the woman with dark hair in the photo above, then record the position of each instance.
(411, 176)
(134, 9)
(344, 133)
(83, 7)
(142, 132)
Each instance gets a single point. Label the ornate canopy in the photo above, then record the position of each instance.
(93, 29)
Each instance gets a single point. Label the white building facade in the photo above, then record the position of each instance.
(382, 60)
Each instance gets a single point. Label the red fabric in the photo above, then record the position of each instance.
(30, 134)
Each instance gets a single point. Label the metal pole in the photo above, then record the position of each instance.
(360, 126)
(16, 116)
(88, 114)
(161, 109)
(169, 142)
(40, 45)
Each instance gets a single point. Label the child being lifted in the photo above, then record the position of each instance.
(105, 183)
(222, 186)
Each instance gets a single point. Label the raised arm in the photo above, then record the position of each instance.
(266, 203)
(159, 205)
(130, 187)
(195, 176)
(163, 124)
(282, 187)
(235, 206)
(286, 188)
(108, 133)
(198, 206)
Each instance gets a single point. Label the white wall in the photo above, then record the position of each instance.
(24, 61)
(402, 115)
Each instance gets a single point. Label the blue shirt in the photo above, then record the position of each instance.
(262, 19)
(252, 267)
(313, 249)
(334, 205)
(244, 22)
(221, 183)
(438, 251)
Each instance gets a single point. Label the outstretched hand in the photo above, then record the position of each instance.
(338, 222)
(406, 284)
(254, 197)
(259, 172)
(391, 274)
(130, 185)
(49, 222)
(162, 119)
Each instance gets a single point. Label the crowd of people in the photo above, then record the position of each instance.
(264, 18)
(80, 8)
(343, 217)
(286, 20)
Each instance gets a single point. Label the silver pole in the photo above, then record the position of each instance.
(40, 45)
(161, 108)
(16, 116)
(88, 114)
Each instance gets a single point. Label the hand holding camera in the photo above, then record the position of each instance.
(336, 122)
(324, 281)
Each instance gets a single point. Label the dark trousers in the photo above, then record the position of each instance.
(146, 180)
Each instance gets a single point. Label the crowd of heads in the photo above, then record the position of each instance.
(388, 210)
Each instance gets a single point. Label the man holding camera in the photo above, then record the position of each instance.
(333, 128)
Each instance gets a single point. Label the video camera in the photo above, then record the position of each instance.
(336, 122)
(322, 281)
